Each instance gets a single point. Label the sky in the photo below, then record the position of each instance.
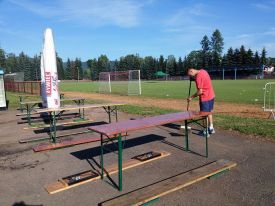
(89, 28)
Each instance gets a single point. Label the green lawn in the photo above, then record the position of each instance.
(236, 91)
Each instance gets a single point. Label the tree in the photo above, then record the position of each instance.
(194, 59)
(2, 59)
(230, 58)
(162, 64)
(180, 67)
(217, 47)
(257, 59)
(263, 56)
(92, 65)
(148, 67)
(249, 57)
(36, 68)
(11, 63)
(130, 62)
(206, 51)
(171, 65)
(243, 56)
(68, 73)
(60, 69)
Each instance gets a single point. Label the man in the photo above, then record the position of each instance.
(205, 92)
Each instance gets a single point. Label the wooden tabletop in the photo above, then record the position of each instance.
(61, 100)
(76, 107)
(147, 122)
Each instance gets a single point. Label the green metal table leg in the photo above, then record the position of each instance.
(83, 110)
(101, 156)
(206, 138)
(29, 114)
(109, 114)
(120, 162)
(186, 136)
(20, 105)
(116, 113)
(54, 127)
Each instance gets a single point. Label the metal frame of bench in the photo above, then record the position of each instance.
(31, 105)
(109, 108)
(114, 132)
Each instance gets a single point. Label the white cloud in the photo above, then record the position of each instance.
(122, 13)
(268, 6)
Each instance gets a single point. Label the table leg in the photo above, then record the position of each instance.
(186, 136)
(101, 156)
(20, 105)
(120, 162)
(206, 138)
(109, 113)
(29, 109)
(116, 113)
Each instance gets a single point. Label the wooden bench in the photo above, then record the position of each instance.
(110, 109)
(148, 194)
(115, 130)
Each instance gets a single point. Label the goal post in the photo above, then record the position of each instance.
(104, 82)
(120, 82)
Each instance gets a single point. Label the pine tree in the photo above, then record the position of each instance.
(60, 69)
(257, 59)
(68, 73)
(206, 51)
(249, 57)
(181, 71)
(243, 56)
(217, 47)
(162, 64)
(36, 68)
(263, 56)
(92, 65)
(2, 59)
(230, 57)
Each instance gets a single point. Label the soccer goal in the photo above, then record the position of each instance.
(269, 99)
(120, 82)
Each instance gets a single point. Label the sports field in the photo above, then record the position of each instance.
(233, 91)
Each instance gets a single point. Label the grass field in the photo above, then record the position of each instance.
(235, 91)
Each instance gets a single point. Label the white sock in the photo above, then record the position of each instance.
(211, 126)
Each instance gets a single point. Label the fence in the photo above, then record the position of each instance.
(30, 87)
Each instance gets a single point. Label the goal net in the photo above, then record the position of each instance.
(120, 82)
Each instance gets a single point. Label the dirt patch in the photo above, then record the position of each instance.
(243, 110)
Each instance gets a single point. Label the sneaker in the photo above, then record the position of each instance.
(203, 133)
(211, 131)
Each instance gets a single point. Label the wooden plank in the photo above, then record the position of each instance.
(146, 122)
(69, 108)
(64, 143)
(169, 185)
(59, 186)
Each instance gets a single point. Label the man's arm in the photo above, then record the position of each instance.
(197, 94)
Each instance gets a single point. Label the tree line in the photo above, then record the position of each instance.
(210, 57)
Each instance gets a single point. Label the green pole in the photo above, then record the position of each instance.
(20, 105)
(206, 138)
(120, 162)
(186, 136)
(54, 127)
(29, 114)
(109, 114)
(101, 156)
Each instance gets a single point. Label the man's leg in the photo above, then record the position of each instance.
(210, 123)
